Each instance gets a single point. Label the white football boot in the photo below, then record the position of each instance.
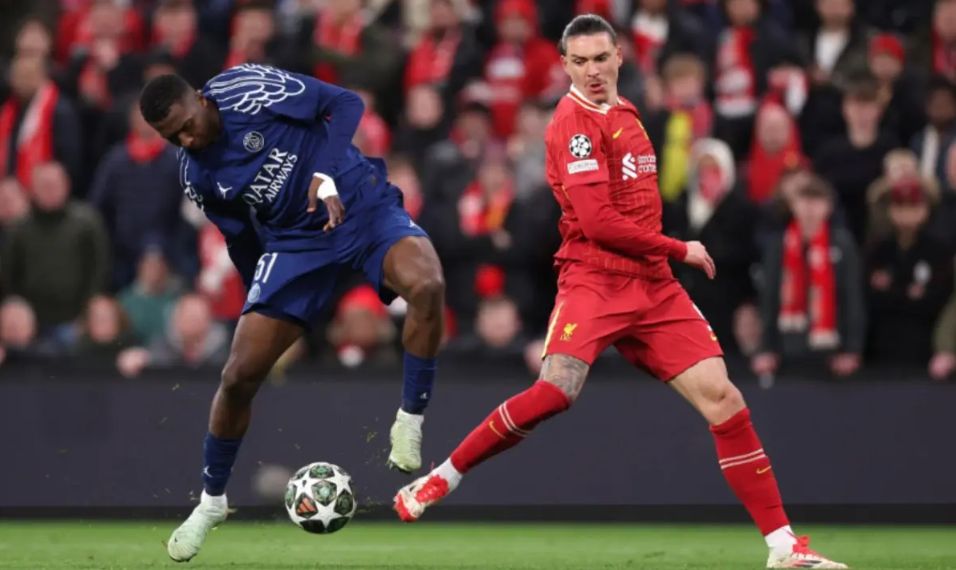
(186, 540)
(406, 438)
(801, 556)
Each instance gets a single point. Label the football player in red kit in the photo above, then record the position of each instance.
(615, 287)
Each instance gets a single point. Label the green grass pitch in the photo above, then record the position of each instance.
(552, 546)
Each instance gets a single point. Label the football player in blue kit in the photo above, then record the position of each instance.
(267, 155)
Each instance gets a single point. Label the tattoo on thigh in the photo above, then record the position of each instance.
(566, 372)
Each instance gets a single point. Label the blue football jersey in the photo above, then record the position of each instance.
(278, 128)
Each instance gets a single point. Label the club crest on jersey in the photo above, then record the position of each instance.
(253, 141)
(254, 293)
(580, 146)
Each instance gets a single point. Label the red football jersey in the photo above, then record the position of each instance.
(603, 172)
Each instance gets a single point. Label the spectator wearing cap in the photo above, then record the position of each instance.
(853, 160)
(932, 141)
(714, 211)
(811, 293)
(899, 89)
(136, 190)
(909, 279)
(747, 51)
(521, 65)
(898, 164)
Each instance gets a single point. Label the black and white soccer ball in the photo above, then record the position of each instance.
(319, 498)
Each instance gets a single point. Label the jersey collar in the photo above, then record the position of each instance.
(580, 99)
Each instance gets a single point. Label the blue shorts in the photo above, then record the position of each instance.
(296, 285)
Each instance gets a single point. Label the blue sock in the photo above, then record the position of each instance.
(218, 457)
(417, 383)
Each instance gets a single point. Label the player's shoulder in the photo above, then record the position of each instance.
(569, 115)
(251, 87)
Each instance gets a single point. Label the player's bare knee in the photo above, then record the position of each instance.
(238, 382)
(427, 294)
(566, 373)
(724, 403)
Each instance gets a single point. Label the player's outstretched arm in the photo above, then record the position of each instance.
(604, 225)
(338, 109)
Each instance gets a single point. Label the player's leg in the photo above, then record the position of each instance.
(562, 378)
(744, 462)
(582, 324)
(412, 270)
(259, 341)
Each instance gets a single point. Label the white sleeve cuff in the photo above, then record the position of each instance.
(327, 188)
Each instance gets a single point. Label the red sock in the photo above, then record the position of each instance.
(511, 422)
(747, 470)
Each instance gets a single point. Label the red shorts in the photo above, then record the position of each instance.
(653, 324)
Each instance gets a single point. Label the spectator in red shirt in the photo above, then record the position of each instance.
(78, 27)
(522, 65)
(447, 55)
(776, 149)
(253, 32)
(37, 124)
(747, 51)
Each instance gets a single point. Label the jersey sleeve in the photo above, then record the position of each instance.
(582, 170)
(577, 152)
(233, 219)
(253, 89)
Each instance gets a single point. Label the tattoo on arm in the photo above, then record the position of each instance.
(565, 372)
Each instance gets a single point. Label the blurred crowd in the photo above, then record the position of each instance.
(807, 144)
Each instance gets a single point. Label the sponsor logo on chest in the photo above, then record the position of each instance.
(632, 165)
(270, 179)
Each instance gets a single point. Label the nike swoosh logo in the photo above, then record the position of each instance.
(764, 470)
(618, 133)
(491, 424)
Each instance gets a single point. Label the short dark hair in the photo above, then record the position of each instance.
(585, 25)
(816, 187)
(863, 87)
(940, 83)
(160, 94)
